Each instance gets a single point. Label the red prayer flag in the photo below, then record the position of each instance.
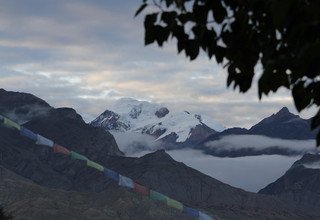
(141, 189)
(59, 149)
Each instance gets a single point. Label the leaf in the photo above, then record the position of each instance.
(168, 3)
(181, 36)
(192, 49)
(143, 6)
(315, 121)
(150, 35)
(150, 31)
(231, 74)
(200, 13)
(185, 17)
(219, 12)
(301, 98)
(168, 17)
(162, 34)
(219, 53)
(263, 84)
(150, 20)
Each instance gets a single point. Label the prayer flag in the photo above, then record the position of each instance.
(59, 149)
(158, 196)
(203, 216)
(191, 211)
(125, 181)
(76, 156)
(12, 124)
(29, 134)
(44, 141)
(141, 189)
(174, 204)
(95, 165)
(111, 174)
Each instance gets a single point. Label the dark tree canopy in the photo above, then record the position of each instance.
(281, 35)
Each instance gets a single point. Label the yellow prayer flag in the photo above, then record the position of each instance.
(12, 124)
(95, 165)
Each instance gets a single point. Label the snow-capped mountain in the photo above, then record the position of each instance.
(130, 115)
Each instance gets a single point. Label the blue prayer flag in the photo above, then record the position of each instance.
(191, 211)
(111, 174)
(27, 133)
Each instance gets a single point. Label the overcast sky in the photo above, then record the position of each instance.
(84, 54)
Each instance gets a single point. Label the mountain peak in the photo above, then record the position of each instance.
(159, 155)
(284, 110)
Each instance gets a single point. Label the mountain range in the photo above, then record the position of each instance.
(172, 130)
(35, 183)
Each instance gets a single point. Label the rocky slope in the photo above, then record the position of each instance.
(129, 115)
(27, 200)
(38, 163)
(300, 183)
(159, 171)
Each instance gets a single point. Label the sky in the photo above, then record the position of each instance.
(85, 54)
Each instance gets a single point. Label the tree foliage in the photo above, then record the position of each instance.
(281, 35)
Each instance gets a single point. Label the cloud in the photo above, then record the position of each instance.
(132, 143)
(249, 173)
(314, 165)
(259, 143)
(25, 113)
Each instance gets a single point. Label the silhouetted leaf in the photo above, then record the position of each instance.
(168, 2)
(169, 17)
(300, 96)
(200, 13)
(219, 12)
(143, 6)
(315, 121)
(192, 49)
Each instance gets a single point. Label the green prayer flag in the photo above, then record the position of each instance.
(76, 156)
(95, 165)
(158, 196)
(175, 204)
(12, 124)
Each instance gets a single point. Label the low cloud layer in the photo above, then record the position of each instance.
(134, 143)
(260, 143)
(249, 173)
(315, 165)
(23, 114)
